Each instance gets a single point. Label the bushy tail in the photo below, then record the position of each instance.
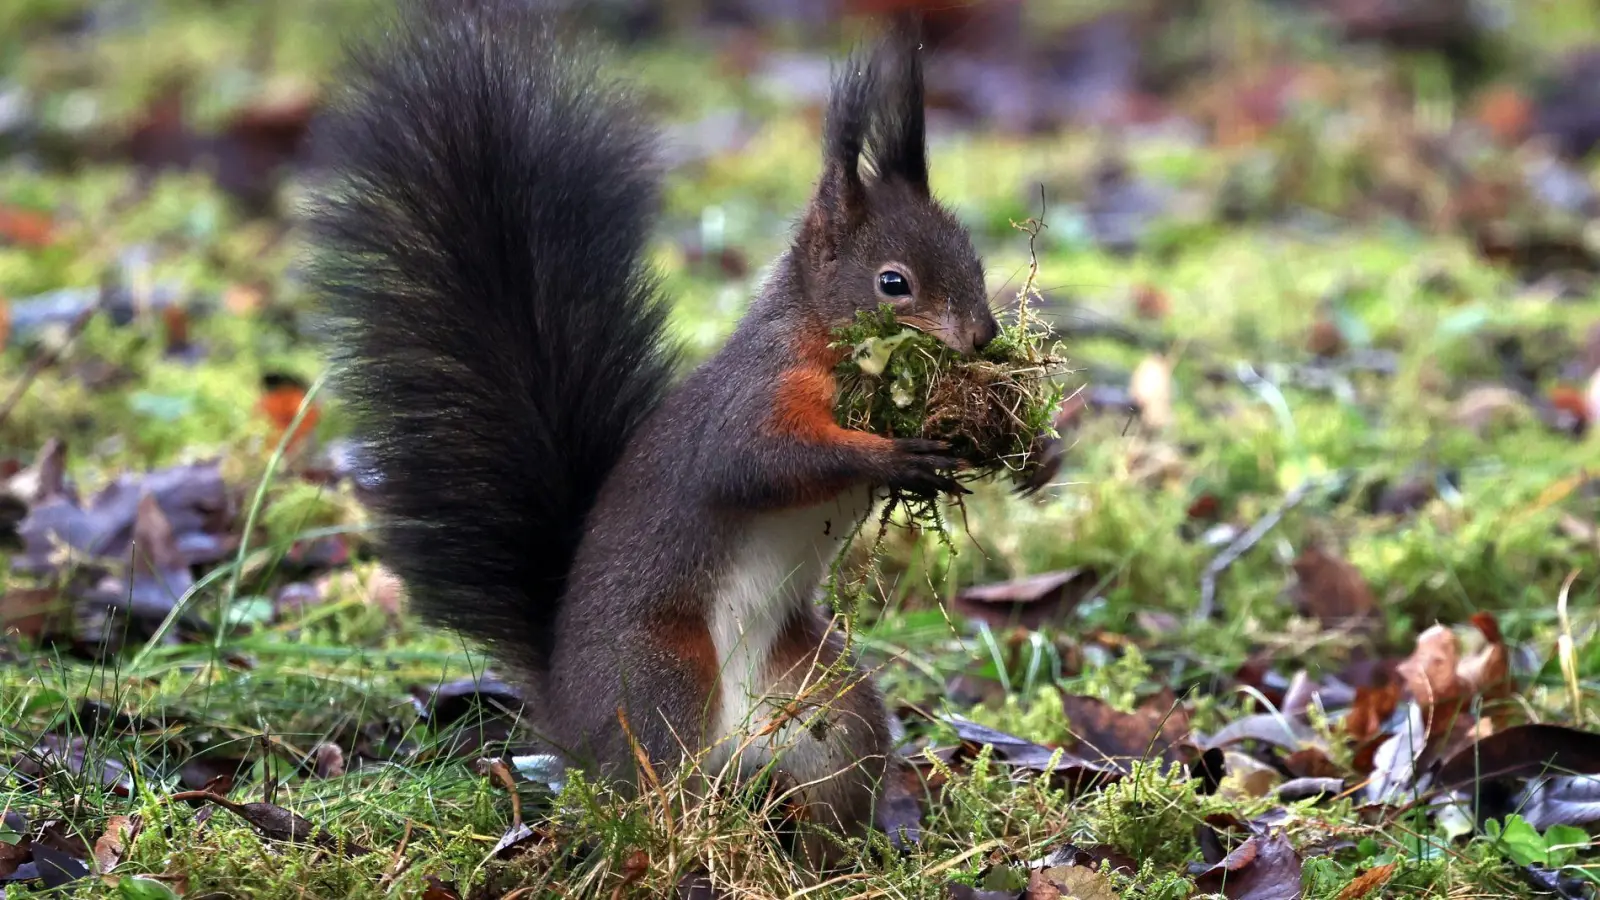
(479, 250)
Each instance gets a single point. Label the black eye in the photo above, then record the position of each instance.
(893, 284)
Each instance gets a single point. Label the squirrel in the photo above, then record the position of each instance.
(642, 551)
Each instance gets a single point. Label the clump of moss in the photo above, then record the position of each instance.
(995, 408)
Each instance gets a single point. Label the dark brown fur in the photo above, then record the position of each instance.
(603, 516)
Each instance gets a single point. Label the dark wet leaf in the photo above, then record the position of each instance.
(183, 524)
(698, 886)
(56, 867)
(455, 700)
(1523, 751)
(1156, 730)
(1209, 768)
(1552, 881)
(1091, 856)
(1022, 753)
(1332, 590)
(275, 823)
(1029, 602)
(1264, 867)
(12, 857)
(440, 890)
(899, 809)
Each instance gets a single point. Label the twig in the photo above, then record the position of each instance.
(1244, 542)
(48, 358)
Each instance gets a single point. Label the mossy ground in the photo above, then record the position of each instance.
(1237, 293)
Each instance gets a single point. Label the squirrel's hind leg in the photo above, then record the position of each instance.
(826, 736)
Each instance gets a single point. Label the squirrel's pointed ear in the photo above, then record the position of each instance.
(899, 141)
(840, 202)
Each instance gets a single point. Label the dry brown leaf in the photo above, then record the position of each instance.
(1069, 883)
(1151, 388)
(1332, 590)
(1372, 707)
(26, 227)
(1150, 302)
(1444, 682)
(113, 845)
(1367, 882)
(29, 611)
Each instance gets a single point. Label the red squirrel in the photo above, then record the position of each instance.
(644, 552)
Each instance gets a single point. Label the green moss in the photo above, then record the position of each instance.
(995, 408)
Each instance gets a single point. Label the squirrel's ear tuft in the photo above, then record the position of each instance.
(840, 203)
(897, 140)
(875, 112)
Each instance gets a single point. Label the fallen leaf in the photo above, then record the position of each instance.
(57, 868)
(1444, 683)
(1290, 733)
(1562, 800)
(281, 400)
(1029, 602)
(1153, 731)
(32, 612)
(1311, 762)
(110, 847)
(275, 823)
(455, 700)
(1556, 882)
(1332, 590)
(1367, 882)
(26, 228)
(1069, 883)
(1023, 753)
(899, 810)
(1151, 388)
(1264, 867)
(1150, 302)
(1325, 339)
(1394, 765)
(1523, 751)
(1297, 789)
(440, 890)
(327, 760)
(1372, 707)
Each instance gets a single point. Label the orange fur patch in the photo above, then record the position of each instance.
(687, 639)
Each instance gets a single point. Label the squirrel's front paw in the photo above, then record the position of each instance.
(922, 468)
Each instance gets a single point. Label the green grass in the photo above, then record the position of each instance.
(345, 670)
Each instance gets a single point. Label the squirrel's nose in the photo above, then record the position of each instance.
(988, 329)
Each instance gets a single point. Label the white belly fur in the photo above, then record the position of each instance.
(779, 565)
